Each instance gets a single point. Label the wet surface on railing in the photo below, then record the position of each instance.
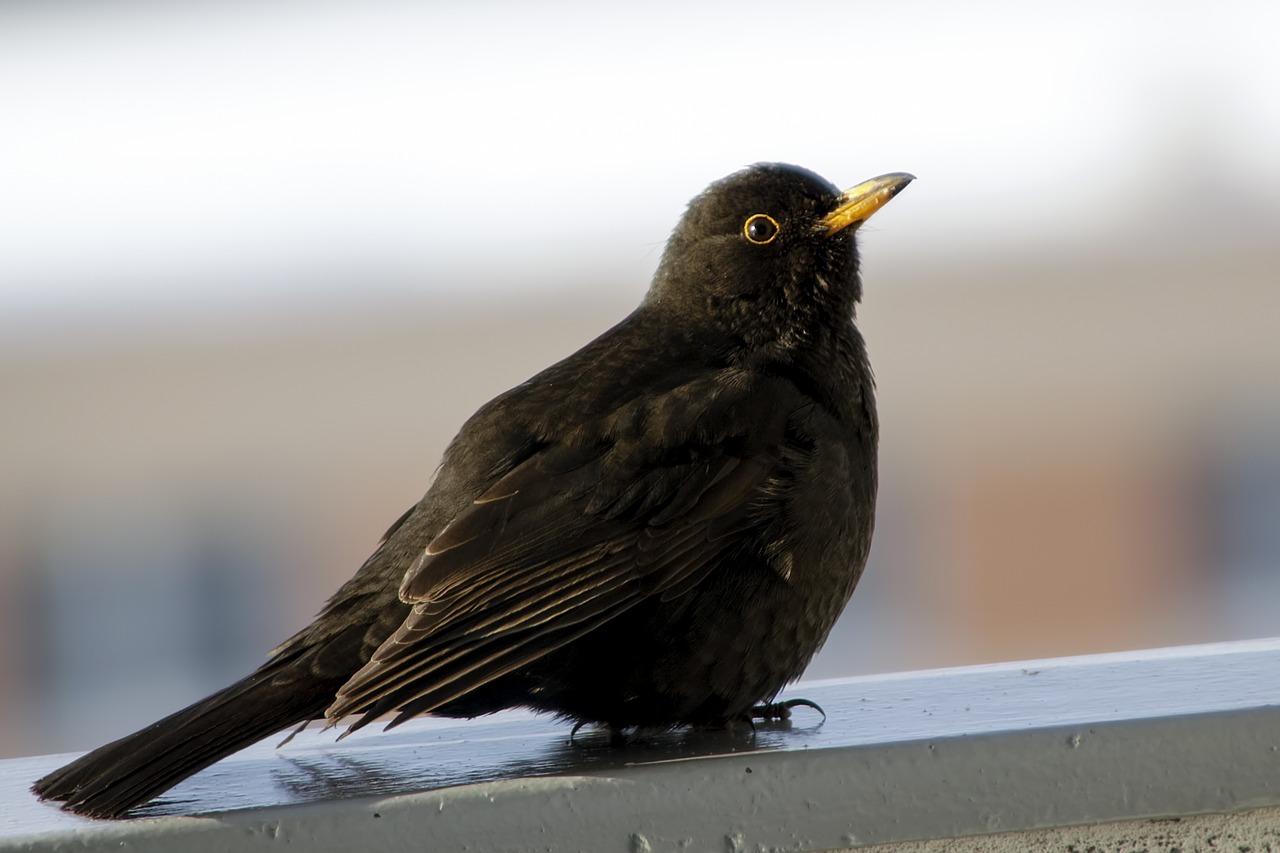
(433, 754)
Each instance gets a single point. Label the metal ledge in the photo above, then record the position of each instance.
(925, 755)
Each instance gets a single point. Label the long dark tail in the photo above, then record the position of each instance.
(113, 779)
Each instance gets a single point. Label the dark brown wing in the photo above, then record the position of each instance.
(561, 544)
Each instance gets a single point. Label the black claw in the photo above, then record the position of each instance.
(293, 734)
(617, 734)
(782, 710)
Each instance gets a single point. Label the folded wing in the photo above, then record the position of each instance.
(567, 540)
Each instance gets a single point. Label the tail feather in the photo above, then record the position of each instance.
(126, 773)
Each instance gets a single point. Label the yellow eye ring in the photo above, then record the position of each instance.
(761, 228)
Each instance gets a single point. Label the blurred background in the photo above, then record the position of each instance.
(258, 262)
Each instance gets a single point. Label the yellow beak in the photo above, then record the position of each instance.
(858, 203)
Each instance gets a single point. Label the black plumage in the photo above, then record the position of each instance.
(659, 530)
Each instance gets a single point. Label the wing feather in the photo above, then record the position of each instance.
(565, 541)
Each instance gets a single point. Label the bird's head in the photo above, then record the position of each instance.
(768, 252)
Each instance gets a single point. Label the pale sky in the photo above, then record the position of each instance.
(161, 156)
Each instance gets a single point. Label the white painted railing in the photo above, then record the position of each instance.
(1049, 747)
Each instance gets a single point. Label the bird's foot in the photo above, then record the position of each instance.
(617, 734)
(293, 734)
(770, 711)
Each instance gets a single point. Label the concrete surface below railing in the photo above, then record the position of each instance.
(943, 755)
(1254, 831)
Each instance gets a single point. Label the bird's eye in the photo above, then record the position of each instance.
(760, 228)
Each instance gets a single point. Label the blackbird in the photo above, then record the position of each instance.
(658, 531)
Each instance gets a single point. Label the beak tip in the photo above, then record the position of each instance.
(860, 202)
(898, 180)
